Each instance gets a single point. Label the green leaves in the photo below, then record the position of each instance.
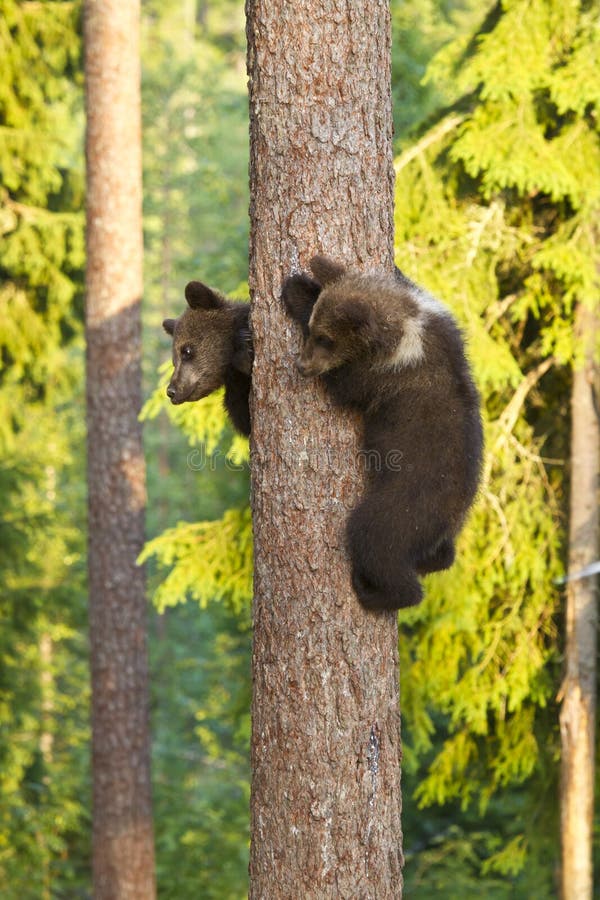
(496, 211)
(531, 74)
(43, 694)
(210, 561)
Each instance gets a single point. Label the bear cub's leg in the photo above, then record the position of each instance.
(440, 558)
(405, 591)
(384, 575)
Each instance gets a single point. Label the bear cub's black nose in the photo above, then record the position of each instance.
(170, 392)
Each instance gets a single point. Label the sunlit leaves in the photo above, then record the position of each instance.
(43, 698)
(497, 214)
(210, 561)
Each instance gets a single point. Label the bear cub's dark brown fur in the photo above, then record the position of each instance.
(385, 347)
(212, 346)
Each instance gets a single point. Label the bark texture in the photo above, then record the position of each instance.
(578, 713)
(123, 854)
(325, 743)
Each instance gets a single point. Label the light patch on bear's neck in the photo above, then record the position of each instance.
(410, 349)
(428, 304)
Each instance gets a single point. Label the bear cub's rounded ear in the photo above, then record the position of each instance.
(200, 296)
(169, 326)
(326, 270)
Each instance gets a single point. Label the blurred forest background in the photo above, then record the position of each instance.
(497, 201)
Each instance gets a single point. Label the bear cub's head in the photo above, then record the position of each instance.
(347, 316)
(203, 339)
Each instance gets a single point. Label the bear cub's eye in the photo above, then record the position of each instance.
(187, 352)
(322, 341)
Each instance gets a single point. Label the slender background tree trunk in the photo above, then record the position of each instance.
(578, 713)
(123, 854)
(325, 743)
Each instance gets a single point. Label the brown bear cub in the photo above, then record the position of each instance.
(212, 346)
(385, 347)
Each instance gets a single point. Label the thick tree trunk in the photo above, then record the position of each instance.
(123, 854)
(325, 744)
(577, 718)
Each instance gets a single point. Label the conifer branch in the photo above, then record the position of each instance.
(432, 137)
(33, 213)
(510, 414)
(63, 5)
(498, 309)
(478, 229)
(497, 507)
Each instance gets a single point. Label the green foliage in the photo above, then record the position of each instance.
(196, 192)
(196, 201)
(202, 664)
(419, 29)
(195, 151)
(196, 187)
(43, 679)
(493, 213)
(202, 686)
(201, 754)
(496, 211)
(211, 560)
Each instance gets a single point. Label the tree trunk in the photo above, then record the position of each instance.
(577, 718)
(123, 854)
(325, 802)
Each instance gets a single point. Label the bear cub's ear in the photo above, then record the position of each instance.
(299, 294)
(200, 296)
(299, 291)
(326, 270)
(169, 326)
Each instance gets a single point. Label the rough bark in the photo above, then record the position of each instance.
(123, 854)
(577, 717)
(325, 742)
